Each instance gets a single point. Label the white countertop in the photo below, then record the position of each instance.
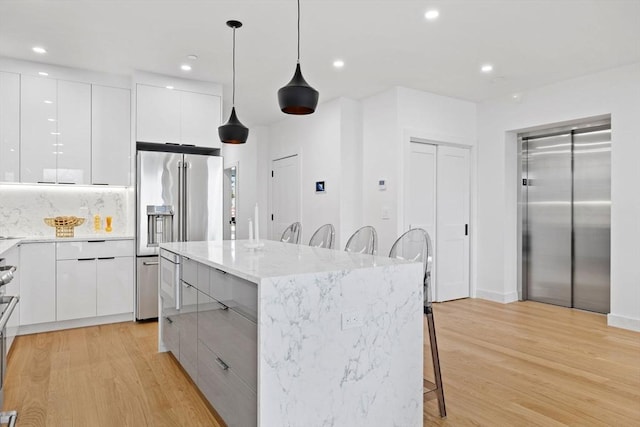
(275, 259)
(5, 245)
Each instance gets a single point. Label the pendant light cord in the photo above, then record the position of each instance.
(233, 96)
(298, 31)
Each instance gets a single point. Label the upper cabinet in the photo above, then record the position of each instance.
(9, 127)
(56, 131)
(39, 129)
(110, 135)
(180, 117)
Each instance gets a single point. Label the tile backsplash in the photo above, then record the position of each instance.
(24, 207)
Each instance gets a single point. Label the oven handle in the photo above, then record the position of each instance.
(8, 311)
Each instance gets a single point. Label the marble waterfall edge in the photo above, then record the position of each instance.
(312, 370)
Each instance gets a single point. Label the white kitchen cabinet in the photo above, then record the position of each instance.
(9, 127)
(55, 131)
(76, 289)
(95, 278)
(115, 285)
(74, 129)
(110, 135)
(38, 129)
(38, 283)
(158, 114)
(179, 117)
(199, 119)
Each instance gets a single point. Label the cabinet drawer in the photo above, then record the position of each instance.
(234, 292)
(170, 330)
(190, 272)
(225, 391)
(188, 323)
(232, 336)
(94, 249)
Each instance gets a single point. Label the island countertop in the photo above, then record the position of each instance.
(275, 259)
(334, 338)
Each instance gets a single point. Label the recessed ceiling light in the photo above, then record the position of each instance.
(185, 67)
(486, 68)
(338, 63)
(431, 14)
(38, 49)
(192, 57)
(42, 73)
(169, 87)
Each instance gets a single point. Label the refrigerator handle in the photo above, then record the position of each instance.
(180, 204)
(185, 208)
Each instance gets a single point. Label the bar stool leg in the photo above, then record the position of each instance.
(436, 361)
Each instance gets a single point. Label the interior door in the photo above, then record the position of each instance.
(452, 249)
(285, 194)
(420, 206)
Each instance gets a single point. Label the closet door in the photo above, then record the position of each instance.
(452, 253)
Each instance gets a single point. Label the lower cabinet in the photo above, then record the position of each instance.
(76, 290)
(188, 330)
(115, 285)
(169, 325)
(38, 279)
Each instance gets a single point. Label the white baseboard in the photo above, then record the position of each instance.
(497, 296)
(623, 322)
(76, 323)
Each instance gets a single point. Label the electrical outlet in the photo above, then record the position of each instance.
(351, 319)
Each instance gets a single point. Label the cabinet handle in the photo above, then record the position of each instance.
(150, 263)
(169, 320)
(224, 306)
(99, 183)
(108, 257)
(46, 182)
(185, 284)
(221, 363)
(67, 183)
(96, 241)
(219, 271)
(86, 259)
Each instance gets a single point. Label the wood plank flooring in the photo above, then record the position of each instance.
(503, 365)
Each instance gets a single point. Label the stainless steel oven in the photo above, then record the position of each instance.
(7, 305)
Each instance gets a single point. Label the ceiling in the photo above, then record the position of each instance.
(383, 43)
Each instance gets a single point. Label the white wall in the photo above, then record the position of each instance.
(320, 140)
(391, 120)
(615, 92)
(245, 156)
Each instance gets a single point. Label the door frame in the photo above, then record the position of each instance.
(410, 136)
(297, 153)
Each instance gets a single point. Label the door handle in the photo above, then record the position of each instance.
(150, 263)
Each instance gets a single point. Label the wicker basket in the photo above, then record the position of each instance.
(64, 224)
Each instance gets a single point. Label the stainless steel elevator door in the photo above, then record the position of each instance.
(548, 229)
(567, 218)
(591, 220)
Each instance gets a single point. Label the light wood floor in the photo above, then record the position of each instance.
(503, 365)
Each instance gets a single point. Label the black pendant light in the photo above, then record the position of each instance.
(297, 97)
(233, 132)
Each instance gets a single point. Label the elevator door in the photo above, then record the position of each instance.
(566, 253)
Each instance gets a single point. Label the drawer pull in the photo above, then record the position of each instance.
(169, 320)
(219, 271)
(86, 259)
(96, 241)
(150, 263)
(224, 306)
(108, 257)
(221, 363)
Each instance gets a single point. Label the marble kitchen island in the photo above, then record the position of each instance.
(291, 335)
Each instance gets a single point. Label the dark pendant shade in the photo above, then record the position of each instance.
(297, 97)
(233, 132)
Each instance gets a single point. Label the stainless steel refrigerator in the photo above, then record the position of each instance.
(179, 198)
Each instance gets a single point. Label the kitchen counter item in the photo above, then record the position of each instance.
(64, 224)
